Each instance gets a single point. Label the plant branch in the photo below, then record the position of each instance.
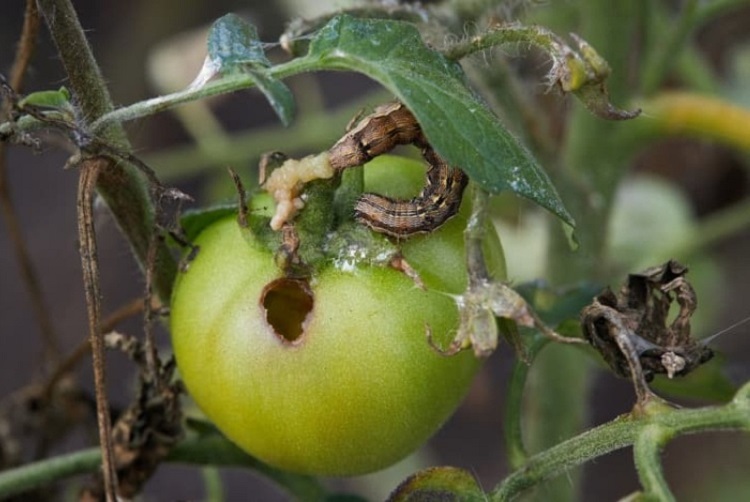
(582, 72)
(43, 472)
(84, 75)
(537, 36)
(90, 169)
(212, 483)
(646, 451)
(213, 449)
(573, 452)
(621, 432)
(310, 131)
(514, 442)
(206, 449)
(223, 85)
(474, 235)
(121, 185)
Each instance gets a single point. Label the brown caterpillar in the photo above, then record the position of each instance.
(389, 126)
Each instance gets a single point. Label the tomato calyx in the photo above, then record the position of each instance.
(323, 231)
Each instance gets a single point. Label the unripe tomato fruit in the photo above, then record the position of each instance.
(331, 376)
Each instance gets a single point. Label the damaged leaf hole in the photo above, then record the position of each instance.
(287, 305)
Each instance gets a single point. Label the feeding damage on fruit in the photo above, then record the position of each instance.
(287, 306)
(286, 182)
(311, 183)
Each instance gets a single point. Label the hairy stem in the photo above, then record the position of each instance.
(213, 449)
(625, 431)
(474, 234)
(504, 35)
(223, 85)
(647, 450)
(514, 441)
(206, 449)
(121, 185)
(88, 250)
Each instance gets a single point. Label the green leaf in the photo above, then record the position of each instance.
(438, 483)
(59, 99)
(277, 94)
(232, 41)
(457, 124)
(233, 46)
(195, 220)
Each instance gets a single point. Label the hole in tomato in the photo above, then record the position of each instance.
(287, 303)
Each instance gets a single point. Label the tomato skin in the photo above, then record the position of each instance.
(361, 387)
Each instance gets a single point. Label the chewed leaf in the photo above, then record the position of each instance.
(233, 41)
(460, 127)
(233, 46)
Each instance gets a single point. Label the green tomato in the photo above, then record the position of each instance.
(331, 376)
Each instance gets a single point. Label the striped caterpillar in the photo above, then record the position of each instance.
(388, 126)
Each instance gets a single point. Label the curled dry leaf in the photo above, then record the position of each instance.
(630, 329)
